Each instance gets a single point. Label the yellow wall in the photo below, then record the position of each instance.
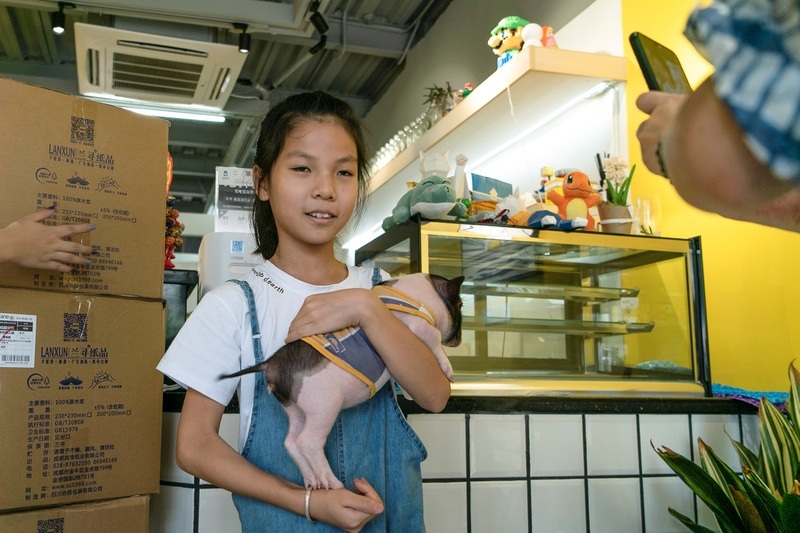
(752, 296)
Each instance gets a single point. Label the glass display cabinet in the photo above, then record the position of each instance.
(563, 313)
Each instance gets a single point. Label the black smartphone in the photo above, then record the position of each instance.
(661, 68)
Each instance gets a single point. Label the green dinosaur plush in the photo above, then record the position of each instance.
(433, 198)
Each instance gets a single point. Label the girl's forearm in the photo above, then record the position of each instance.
(201, 452)
(408, 359)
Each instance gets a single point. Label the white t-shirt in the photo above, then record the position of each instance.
(216, 338)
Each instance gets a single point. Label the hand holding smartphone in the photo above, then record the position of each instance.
(660, 66)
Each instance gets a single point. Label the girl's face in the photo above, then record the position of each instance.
(313, 184)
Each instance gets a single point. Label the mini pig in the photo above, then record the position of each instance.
(313, 391)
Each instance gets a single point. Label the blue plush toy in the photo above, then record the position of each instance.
(548, 220)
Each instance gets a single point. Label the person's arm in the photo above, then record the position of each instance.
(203, 453)
(708, 162)
(408, 359)
(31, 244)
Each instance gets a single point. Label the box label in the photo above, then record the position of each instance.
(17, 340)
(234, 199)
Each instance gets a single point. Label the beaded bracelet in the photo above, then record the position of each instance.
(308, 501)
(660, 158)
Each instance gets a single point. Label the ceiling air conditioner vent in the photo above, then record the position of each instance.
(151, 68)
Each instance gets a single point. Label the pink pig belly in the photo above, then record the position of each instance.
(337, 385)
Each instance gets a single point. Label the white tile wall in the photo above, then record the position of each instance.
(614, 505)
(445, 439)
(445, 507)
(714, 431)
(660, 494)
(671, 431)
(625, 488)
(497, 446)
(217, 512)
(169, 432)
(611, 445)
(172, 510)
(558, 505)
(750, 430)
(556, 445)
(499, 506)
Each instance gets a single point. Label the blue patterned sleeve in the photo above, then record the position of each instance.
(754, 46)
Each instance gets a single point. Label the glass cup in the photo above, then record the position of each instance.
(648, 215)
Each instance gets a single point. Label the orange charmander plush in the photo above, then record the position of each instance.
(578, 197)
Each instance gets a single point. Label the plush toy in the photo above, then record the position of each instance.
(578, 197)
(513, 33)
(433, 198)
(548, 220)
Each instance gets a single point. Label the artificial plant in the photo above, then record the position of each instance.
(765, 497)
(617, 180)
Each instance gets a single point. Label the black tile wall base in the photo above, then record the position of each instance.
(173, 402)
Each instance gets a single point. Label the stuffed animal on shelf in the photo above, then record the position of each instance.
(434, 197)
(578, 196)
(548, 220)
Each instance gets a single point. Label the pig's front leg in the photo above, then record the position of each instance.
(432, 338)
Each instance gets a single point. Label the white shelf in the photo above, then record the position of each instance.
(540, 80)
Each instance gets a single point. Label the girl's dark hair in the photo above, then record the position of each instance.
(279, 122)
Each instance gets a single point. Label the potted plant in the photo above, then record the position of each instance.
(438, 100)
(614, 211)
(766, 497)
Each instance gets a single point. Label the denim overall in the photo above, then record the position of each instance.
(370, 440)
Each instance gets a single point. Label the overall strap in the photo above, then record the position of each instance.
(258, 352)
(376, 276)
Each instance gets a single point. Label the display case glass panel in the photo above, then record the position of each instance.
(552, 312)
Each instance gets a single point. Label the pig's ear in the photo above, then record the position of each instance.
(453, 288)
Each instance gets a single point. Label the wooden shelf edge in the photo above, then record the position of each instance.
(534, 60)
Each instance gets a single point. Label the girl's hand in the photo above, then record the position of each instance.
(662, 108)
(331, 311)
(32, 244)
(344, 509)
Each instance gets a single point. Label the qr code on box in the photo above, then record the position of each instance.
(50, 525)
(237, 246)
(76, 327)
(82, 131)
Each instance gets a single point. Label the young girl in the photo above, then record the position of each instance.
(309, 176)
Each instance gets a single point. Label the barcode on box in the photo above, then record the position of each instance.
(237, 246)
(17, 340)
(16, 359)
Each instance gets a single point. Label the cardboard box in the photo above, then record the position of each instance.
(80, 398)
(128, 515)
(234, 199)
(99, 164)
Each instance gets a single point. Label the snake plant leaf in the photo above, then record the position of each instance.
(763, 499)
(749, 513)
(793, 405)
(780, 447)
(686, 521)
(719, 501)
(746, 457)
(718, 470)
(790, 512)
